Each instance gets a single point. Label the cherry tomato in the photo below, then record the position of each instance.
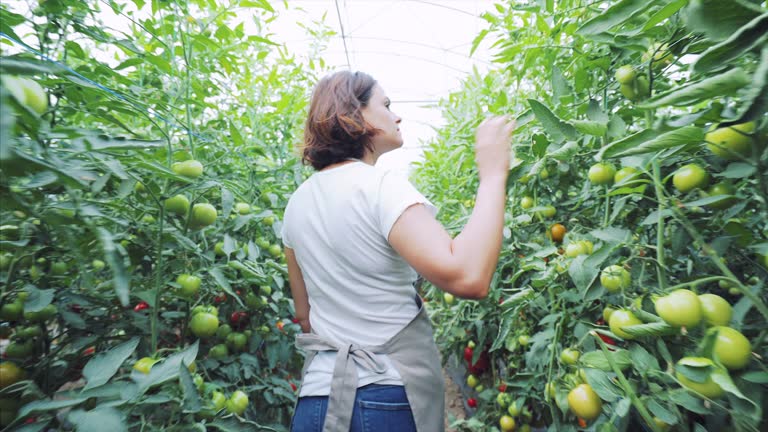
(625, 74)
(140, 306)
(218, 400)
(238, 319)
(472, 381)
(557, 232)
(526, 202)
(472, 402)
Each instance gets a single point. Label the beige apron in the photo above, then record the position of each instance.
(415, 356)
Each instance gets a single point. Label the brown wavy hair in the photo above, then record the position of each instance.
(335, 129)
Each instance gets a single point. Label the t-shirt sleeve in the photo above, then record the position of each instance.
(395, 195)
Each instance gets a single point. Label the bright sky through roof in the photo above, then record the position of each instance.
(417, 50)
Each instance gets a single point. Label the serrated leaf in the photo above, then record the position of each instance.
(104, 366)
(662, 413)
(222, 282)
(602, 384)
(37, 299)
(555, 128)
(724, 84)
(48, 405)
(590, 127)
(612, 234)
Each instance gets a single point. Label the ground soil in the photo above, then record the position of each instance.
(453, 403)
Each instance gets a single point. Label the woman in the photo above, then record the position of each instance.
(353, 237)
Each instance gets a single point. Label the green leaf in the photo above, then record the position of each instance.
(613, 16)
(612, 149)
(664, 13)
(738, 170)
(99, 419)
(48, 405)
(719, 19)
(724, 84)
(120, 278)
(38, 299)
(598, 360)
(104, 366)
(686, 400)
(166, 370)
(721, 378)
(751, 35)
(262, 4)
(192, 402)
(757, 377)
(222, 282)
(756, 100)
(560, 86)
(642, 360)
(689, 136)
(556, 128)
(590, 127)
(612, 234)
(662, 413)
(602, 384)
(237, 139)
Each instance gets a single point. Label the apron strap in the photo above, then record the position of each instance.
(341, 401)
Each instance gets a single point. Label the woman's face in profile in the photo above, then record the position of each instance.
(378, 115)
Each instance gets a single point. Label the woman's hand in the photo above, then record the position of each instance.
(492, 147)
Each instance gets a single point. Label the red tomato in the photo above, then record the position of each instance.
(140, 306)
(472, 402)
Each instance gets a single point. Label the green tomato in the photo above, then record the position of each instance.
(223, 331)
(690, 177)
(601, 173)
(615, 278)
(731, 142)
(98, 264)
(262, 243)
(42, 315)
(218, 400)
(607, 312)
(237, 402)
(188, 168)
(190, 284)
(526, 202)
(708, 387)
(548, 211)
(727, 190)
(12, 311)
(203, 214)
(625, 74)
(144, 364)
(472, 381)
(28, 93)
(627, 175)
(237, 341)
(513, 409)
(59, 268)
(575, 249)
(178, 204)
(19, 350)
(680, 308)
(717, 311)
(503, 399)
(569, 356)
(731, 347)
(523, 340)
(628, 90)
(448, 298)
(506, 423)
(269, 220)
(204, 324)
(275, 250)
(218, 352)
(242, 208)
(620, 319)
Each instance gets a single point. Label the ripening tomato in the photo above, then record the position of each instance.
(557, 232)
(680, 308)
(507, 423)
(584, 402)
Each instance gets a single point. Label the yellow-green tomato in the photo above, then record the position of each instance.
(526, 202)
(690, 177)
(237, 403)
(680, 308)
(503, 399)
(144, 364)
(601, 173)
(203, 214)
(717, 311)
(506, 423)
(731, 142)
(188, 168)
(574, 249)
(513, 409)
(615, 278)
(448, 297)
(708, 387)
(584, 402)
(732, 348)
(178, 204)
(625, 74)
(569, 356)
(242, 208)
(218, 400)
(620, 319)
(472, 381)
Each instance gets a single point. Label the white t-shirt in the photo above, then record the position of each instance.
(360, 290)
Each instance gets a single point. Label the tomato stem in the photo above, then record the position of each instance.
(660, 266)
(625, 385)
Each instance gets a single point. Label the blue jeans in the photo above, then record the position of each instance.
(378, 408)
